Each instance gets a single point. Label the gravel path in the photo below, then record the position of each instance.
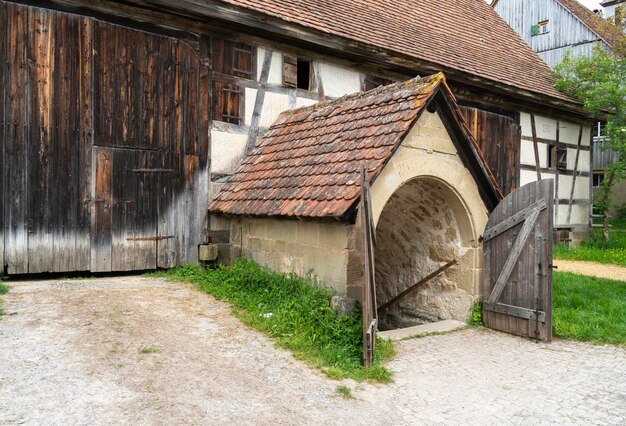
(611, 272)
(70, 353)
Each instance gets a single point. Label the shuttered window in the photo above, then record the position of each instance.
(557, 158)
(290, 70)
(226, 102)
(233, 58)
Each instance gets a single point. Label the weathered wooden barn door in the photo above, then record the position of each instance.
(103, 144)
(150, 150)
(518, 263)
(45, 58)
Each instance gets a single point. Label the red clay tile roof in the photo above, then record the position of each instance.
(595, 23)
(308, 164)
(464, 35)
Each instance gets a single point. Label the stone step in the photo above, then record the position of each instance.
(420, 330)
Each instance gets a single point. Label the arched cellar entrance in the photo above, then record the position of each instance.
(424, 225)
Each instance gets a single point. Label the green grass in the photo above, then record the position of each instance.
(596, 250)
(344, 392)
(296, 313)
(148, 350)
(589, 309)
(4, 289)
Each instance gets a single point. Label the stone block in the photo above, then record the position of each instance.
(308, 233)
(333, 236)
(282, 230)
(207, 252)
(330, 267)
(257, 228)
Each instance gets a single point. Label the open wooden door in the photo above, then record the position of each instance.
(518, 263)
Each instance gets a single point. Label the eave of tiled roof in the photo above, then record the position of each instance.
(595, 23)
(467, 36)
(308, 164)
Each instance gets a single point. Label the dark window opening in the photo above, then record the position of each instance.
(599, 129)
(598, 178)
(371, 82)
(557, 158)
(297, 72)
(304, 74)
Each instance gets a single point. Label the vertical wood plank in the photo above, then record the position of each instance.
(17, 121)
(66, 143)
(101, 223)
(41, 154)
(85, 144)
(3, 93)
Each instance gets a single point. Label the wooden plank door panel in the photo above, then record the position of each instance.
(134, 210)
(518, 263)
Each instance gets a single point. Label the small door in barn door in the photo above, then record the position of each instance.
(125, 220)
(517, 246)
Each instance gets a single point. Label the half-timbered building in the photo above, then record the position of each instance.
(122, 120)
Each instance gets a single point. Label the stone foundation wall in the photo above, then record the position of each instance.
(324, 249)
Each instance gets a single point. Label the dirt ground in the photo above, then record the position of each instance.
(611, 272)
(144, 351)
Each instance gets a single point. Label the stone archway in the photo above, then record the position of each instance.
(423, 225)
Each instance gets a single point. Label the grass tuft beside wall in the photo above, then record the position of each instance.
(589, 309)
(4, 289)
(296, 313)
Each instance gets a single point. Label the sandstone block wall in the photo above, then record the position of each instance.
(302, 247)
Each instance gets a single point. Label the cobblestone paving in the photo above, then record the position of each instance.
(70, 354)
(479, 376)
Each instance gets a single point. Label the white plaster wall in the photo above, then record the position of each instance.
(273, 105)
(304, 102)
(584, 157)
(581, 187)
(275, 75)
(339, 81)
(527, 153)
(226, 151)
(546, 127)
(569, 132)
(578, 219)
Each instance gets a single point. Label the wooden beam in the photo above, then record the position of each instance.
(535, 146)
(416, 285)
(571, 193)
(511, 221)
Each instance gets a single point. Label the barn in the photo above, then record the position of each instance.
(121, 120)
(293, 205)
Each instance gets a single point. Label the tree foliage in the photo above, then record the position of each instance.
(599, 81)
